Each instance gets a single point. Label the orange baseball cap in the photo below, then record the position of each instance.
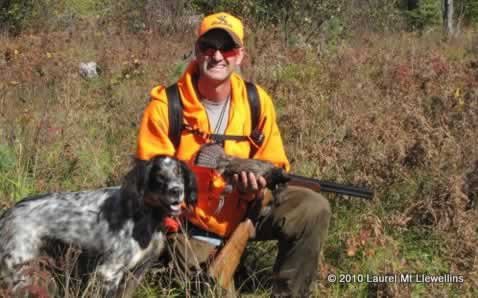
(224, 21)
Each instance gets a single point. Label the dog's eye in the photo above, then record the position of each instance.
(157, 185)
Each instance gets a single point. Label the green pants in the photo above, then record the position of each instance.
(297, 217)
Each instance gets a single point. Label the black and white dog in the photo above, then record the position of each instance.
(120, 227)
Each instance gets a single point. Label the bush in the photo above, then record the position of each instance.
(44, 15)
(469, 9)
(166, 16)
(427, 14)
(14, 13)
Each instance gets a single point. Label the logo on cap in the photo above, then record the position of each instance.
(221, 20)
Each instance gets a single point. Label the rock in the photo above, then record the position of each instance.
(89, 70)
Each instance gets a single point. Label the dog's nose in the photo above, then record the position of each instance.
(176, 192)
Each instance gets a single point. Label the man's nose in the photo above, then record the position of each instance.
(217, 56)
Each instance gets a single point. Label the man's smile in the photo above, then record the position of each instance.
(216, 67)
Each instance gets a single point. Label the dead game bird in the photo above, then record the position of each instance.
(213, 156)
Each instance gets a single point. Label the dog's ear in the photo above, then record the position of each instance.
(190, 184)
(143, 172)
(134, 185)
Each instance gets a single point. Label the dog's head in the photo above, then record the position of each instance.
(162, 182)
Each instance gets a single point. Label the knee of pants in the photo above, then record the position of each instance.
(307, 210)
(316, 209)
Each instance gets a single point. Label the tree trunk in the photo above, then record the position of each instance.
(448, 17)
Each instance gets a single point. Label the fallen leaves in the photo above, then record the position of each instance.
(369, 237)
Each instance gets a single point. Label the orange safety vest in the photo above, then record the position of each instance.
(153, 140)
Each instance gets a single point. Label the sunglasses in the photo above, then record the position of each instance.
(226, 51)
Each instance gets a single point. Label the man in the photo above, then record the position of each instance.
(215, 101)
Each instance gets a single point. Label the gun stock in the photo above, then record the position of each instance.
(224, 266)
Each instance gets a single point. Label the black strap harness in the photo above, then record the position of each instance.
(176, 126)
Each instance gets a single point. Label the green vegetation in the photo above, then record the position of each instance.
(368, 94)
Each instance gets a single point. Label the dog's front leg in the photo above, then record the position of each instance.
(111, 277)
(131, 280)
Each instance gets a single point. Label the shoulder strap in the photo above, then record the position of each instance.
(257, 135)
(254, 104)
(175, 114)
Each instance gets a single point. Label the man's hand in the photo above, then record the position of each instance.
(249, 184)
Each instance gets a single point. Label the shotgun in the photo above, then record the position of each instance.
(213, 156)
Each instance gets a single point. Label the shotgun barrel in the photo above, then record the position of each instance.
(327, 186)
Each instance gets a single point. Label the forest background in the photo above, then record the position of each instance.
(377, 93)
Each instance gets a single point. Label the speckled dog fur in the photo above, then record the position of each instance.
(120, 226)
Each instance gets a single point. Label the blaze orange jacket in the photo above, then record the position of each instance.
(153, 140)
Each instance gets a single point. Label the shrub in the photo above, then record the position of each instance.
(469, 9)
(166, 16)
(14, 13)
(427, 14)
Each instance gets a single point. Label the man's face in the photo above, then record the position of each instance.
(217, 55)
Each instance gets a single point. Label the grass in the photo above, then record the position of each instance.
(396, 113)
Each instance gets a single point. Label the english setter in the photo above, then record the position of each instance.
(119, 227)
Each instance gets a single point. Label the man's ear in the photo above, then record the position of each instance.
(240, 56)
(195, 51)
